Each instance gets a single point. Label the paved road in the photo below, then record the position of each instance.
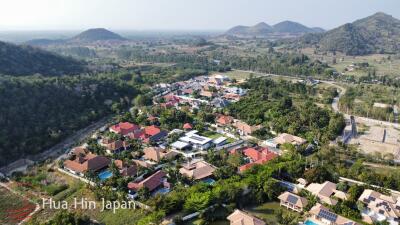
(58, 150)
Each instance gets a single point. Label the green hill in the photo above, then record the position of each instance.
(26, 60)
(379, 33)
(97, 34)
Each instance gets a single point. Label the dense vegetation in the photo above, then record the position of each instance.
(272, 104)
(26, 60)
(42, 111)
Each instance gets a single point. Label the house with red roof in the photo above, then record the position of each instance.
(187, 126)
(257, 156)
(151, 183)
(82, 164)
(154, 133)
(114, 147)
(124, 169)
(124, 128)
(224, 120)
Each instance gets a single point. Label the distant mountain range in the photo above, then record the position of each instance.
(285, 28)
(379, 33)
(88, 36)
(19, 60)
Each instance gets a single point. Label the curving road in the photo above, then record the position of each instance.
(335, 106)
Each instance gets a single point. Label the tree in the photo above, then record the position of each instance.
(197, 201)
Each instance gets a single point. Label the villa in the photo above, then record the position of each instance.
(124, 128)
(196, 141)
(379, 207)
(244, 129)
(291, 139)
(257, 156)
(151, 183)
(156, 154)
(198, 170)
(322, 215)
(82, 164)
(326, 191)
(292, 201)
(239, 217)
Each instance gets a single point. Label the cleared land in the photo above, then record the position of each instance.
(13, 208)
(370, 140)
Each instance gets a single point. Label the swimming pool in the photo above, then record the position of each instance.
(162, 191)
(209, 181)
(309, 222)
(105, 175)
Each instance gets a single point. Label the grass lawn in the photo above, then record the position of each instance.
(268, 211)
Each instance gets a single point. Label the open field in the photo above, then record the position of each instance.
(384, 64)
(370, 140)
(13, 208)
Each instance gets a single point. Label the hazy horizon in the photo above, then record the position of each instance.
(181, 15)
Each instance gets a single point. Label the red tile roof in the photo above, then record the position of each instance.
(258, 156)
(151, 130)
(124, 128)
(151, 183)
(225, 120)
(89, 162)
(187, 126)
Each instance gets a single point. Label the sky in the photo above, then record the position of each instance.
(183, 14)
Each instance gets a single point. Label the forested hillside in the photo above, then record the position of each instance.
(379, 33)
(41, 111)
(27, 60)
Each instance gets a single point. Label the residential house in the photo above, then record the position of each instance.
(244, 129)
(151, 183)
(124, 128)
(291, 139)
(197, 170)
(239, 217)
(196, 141)
(292, 201)
(78, 151)
(114, 147)
(124, 169)
(326, 191)
(380, 207)
(220, 141)
(154, 133)
(223, 120)
(257, 156)
(322, 215)
(157, 154)
(81, 164)
(187, 126)
(232, 97)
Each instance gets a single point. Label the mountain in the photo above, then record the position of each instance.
(21, 60)
(285, 28)
(97, 34)
(291, 27)
(379, 33)
(260, 29)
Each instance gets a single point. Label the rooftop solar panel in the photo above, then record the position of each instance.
(292, 199)
(327, 215)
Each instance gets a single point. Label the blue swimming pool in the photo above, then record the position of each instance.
(105, 175)
(162, 191)
(209, 181)
(309, 222)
